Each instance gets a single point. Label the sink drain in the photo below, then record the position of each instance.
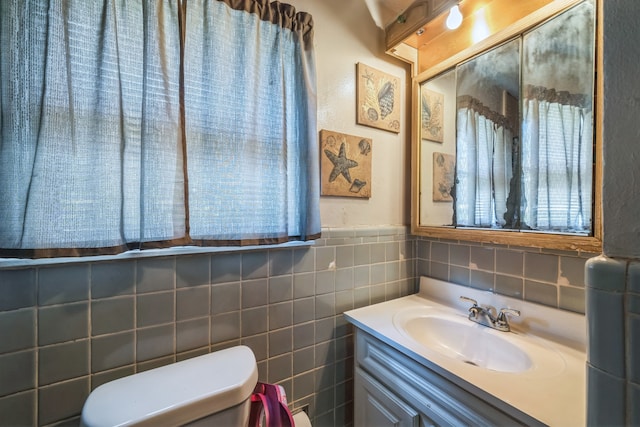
(469, 362)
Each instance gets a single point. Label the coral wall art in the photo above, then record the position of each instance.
(345, 165)
(378, 99)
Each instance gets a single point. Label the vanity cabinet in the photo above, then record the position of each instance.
(393, 389)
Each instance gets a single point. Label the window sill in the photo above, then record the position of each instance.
(147, 253)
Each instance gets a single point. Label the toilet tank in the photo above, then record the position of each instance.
(215, 387)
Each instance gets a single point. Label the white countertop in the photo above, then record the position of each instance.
(553, 393)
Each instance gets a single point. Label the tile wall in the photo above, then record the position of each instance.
(548, 277)
(613, 373)
(65, 329)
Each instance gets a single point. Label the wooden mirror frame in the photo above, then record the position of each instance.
(505, 237)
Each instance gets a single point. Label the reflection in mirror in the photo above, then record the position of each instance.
(557, 155)
(437, 149)
(515, 123)
(488, 88)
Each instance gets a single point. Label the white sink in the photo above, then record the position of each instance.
(464, 340)
(459, 339)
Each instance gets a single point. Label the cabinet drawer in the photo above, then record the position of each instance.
(428, 392)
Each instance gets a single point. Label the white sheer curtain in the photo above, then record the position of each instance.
(483, 169)
(251, 123)
(557, 162)
(93, 155)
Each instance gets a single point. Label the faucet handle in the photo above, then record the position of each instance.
(471, 300)
(501, 321)
(511, 311)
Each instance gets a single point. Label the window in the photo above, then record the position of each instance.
(134, 125)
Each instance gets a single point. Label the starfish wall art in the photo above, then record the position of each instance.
(345, 165)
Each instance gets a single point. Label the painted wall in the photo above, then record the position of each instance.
(345, 34)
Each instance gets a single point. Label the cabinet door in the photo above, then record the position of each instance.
(375, 406)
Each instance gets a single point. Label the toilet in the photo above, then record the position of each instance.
(210, 390)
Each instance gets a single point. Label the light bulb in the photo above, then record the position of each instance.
(455, 18)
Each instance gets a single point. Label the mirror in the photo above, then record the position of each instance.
(506, 135)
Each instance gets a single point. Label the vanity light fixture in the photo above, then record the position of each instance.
(455, 18)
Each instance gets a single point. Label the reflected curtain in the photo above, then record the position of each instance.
(557, 161)
(138, 124)
(483, 165)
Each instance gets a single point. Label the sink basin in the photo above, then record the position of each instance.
(459, 338)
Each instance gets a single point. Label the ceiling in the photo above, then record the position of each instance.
(384, 12)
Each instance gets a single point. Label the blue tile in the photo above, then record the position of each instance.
(304, 285)
(110, 279)
(633, 392)
(482, 280)
(634, 276)
(17, 289)
(192, 270)
(280, 288)
(325, 258)
(605, 399)
(192, 302)
(63, 362)
(18, 409)
(541, 293)
(192, 334)
(255, 265)
(17, 372)
(58, 285)
(155, 342)
(17, 330)
(460, 255)
(63, 323)
(440, 252)
(280, 262)
(225, 268)
(541, 267)
(572, 299)
(572, 270)
(605, 273)
(605, 331)
(155, 274)
(633, 350)
(225, 297)
(509, 262)
(482, 258)
(304, 260)
(510, 286)
(112, 315)
(62, 400)
(255, 293)
(112, 351)
(155, 309)
(325, 281)
(344, 256)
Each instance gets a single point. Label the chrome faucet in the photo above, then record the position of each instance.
(486, 315)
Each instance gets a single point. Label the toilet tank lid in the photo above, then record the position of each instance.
(175, 394)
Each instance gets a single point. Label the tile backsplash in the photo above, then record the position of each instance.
(67, 328)
(549, 277)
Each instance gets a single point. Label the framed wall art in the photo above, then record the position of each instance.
(432, 115)
(444, 170)
(345, 165)
(378, 99)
